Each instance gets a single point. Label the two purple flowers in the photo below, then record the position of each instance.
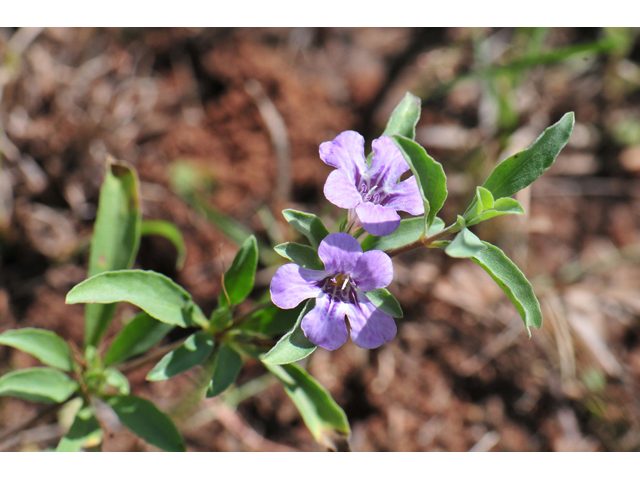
(373, 195)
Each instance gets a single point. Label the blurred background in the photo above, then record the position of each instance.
(224, 126)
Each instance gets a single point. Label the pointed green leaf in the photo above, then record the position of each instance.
(293, 346)
(432, 182)
(169, 231)
(195, 350)
(117, 380)
(221, 318)
(43, 344)
(39, 384)
(410, 230)
(404, 118)
(502, 206)
(145, 420)
(272, 320)
(299, 254)
(325, 420)
(226, 368)
(386, 302)
(154, 293)
(307, 224)
(485, 198)
(115, 239)
(521, 169)
(465, 245)
(239, 279)
(139, 335)
(85, 432)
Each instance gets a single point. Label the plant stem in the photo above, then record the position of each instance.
(424, 241)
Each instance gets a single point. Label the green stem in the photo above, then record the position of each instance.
(424, 241)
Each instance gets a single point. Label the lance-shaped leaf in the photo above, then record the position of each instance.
(404, 117)
(116, 379)
(240, 277)
(466, 244)
(293, 346)
(39, 384)
(195, 350)
(43, 344)
(432, 182)
(307, 224)
(115, 239)
(485, 207)
(386, 302)
(85, 432)
(169, 231)
(303, 255)
(139, 335)
(272, 320)
(325, 420)
(226, 367)
(145, 420)
(154, 293)
(520, 170)
(410, 230)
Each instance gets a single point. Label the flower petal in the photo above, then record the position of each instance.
(388, 163)
(339, 252)
(325, 325)
(346, 152)
(373, 270)
(378, 219)
(405, 196)
(292, 284)
(370, 326)
(341, 191)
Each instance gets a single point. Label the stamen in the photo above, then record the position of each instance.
(346, 280)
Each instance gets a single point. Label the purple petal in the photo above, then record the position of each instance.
(345, 152)
(378, 219)
(373, 270)
(325, 325)
(292, 284)
(341, 191)
(405, 196)
(339, 252)
(388, 163)
(370, 326)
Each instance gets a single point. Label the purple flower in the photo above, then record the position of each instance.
(372, 192)
(339, 292)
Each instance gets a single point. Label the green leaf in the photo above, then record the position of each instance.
(139, 335)
(299, 254)
(239, 279)
(521, 169)
(115, 239)
(464, 245)
(386, 302)
(226, 368)
(325, 420)
(404, 118)
(410, 230)
(45, 345)
(432, 182)
(502, 206)
(39, 384)
(169, 231)
(221, 318)
(154, 293)
(272, 320)
(293, 346)
(85, 432)
(145, 420)
(195, 350)
(117, 380)
(307, 224)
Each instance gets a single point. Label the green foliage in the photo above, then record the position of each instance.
(272, 320)
(432, 182)
(485, 207)
(302, 255)
(139, 335)
(39, 384)
(145, 420)
(307, 224)
(115, 239)
(116, 379)
(226, 368)
(154, 293)
(85, 432)
(294, 345)
(404, 117)
(325, 420)
(386, 302)
(410, 230)
(195, 350)
(465, 244)
(240, 277)
(169, 231)
(45, 345)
